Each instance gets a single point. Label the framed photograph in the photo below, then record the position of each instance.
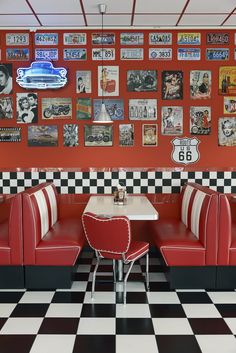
(200, 84)
(42, 136)
(10, 134)
(114, 107)
(108, 81)
(149, 135)
(74, 38)
(70, 135)
(200, 120)
(172, 120)
(98, 135)
(6, 107)
(142, 81)
(143, 109)
(227, 131)
(172, 85)
(229, 105)
(126, 135)
(227, 80)
(103, 38)
(26, 108)
(83, 109)
(5, 78)
(56, 108)
(83, 81)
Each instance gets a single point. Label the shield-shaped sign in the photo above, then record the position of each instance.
(185, 150)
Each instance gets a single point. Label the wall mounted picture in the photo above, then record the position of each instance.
(108, 80)
(6, 107)
(98, 135)
(172, 120)
(142, 81)
(56, 108)
(10, 134)
(149, 135)
(229, 105)
(70, 135)
(27, 108)
(126, 134)
(200, 120)
(43, 135)
(83, 81)
(143, 109)
(227, 80)
(5, 78)
(200, 84)
(83, 109)
(227, 131)
(172, 85)
(114, 107)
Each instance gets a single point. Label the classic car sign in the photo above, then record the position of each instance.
(103, 54)
(189, 38)
(189, 53)
(46, 54)
(160, 38)
(160, 53)
(217, 38)
(17, 39)
(217, 54)
(185, 150)
(131, 38)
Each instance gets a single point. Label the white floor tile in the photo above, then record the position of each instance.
(53, 343)
(21, 326)
(133, 310)
(37, 297)
(217, 343)
(171, 326)
(223, 297)
(64, 310)
(163, 298)
(201, 310)
(135, 343)
(132, 286)
(157, 277)
(97, 326)
(100, 298)
(231, 322)
(77, 286)
(6, 309)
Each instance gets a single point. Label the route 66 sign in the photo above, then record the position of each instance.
(185, 150)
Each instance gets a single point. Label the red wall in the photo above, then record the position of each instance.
(211, 155)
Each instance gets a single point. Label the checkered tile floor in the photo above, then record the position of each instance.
(164, 321)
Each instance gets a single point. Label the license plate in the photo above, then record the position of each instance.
(189, 54)
(160, 38)
(103, 54)
(217, 54)
(46, 54)
(17, 39)
(160, 54)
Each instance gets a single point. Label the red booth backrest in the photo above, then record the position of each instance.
(225, 230)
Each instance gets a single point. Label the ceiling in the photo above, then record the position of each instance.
(119, 13)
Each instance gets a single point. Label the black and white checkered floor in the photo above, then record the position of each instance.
(164, 321)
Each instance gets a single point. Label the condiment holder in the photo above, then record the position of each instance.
(120, 195)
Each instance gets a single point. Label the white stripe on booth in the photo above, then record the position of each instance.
(53, 203)
(196, 210)
(185, 204)
(43, 211)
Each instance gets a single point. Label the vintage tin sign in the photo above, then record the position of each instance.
(160, 38)
(185, 150)
(74, 39)
(160, 54)
(103, 38)
(103, 54)
(229, 105)
(46, 54)
(131, 54)
(75, 54)
(17, 54)
(189, 38)
(46, 38)
(227, 80)
(217, 54)
(17, 39)
(131, 38)
(189, 54)
(217, 38)
(10, 134)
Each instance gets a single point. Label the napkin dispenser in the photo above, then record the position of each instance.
(120, 195)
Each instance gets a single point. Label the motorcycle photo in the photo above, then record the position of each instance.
(56, 109)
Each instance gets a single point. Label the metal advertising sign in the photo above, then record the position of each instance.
(189, 54)
(160, 54)
(46, 38)
(189, 38)
(131, 38)
(103, 54)
(160, 38)
(217, 54)
(17, 54)
(75, 54)
(131, 54)
(74, 38)
(46, 54)
(10, 134)
(227, 80)
(185, 150)
(229, 105)
(217, 38)
(17, 39)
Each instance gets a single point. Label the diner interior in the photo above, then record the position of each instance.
(118, 176)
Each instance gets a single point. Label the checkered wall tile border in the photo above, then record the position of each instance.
(148, 182)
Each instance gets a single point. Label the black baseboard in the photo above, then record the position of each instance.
(192, 277)
(48, 277)
(226, 277)
(12, 277)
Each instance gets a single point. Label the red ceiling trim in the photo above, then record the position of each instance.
(83, 12)
(35, 15)
(229, 15)
(133, 12)
(183, 11)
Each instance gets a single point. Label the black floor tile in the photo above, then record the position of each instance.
(160, 287)
(95, 344)
(68, 297)
(177, 344)
(194, 298)
(16, 343)
(59, 326)
(10, 297)
(166, 310)
(98, 310)
(30, 310)
(226, 310)
(80, 276)
(209, 326)
(134, 326)
(103, 284)
(2, 322)
(132, 298)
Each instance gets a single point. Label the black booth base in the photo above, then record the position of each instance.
(11, 277)
(226, 277)
(48, 277)
(191, 277)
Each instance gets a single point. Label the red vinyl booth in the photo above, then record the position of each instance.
(51, 244)
(189, 244)
(11, 248)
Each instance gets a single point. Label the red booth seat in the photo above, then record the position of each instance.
(51, 244)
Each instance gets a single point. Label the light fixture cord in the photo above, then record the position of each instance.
(102, 62)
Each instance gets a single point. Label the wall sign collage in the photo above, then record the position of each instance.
(142, 86)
